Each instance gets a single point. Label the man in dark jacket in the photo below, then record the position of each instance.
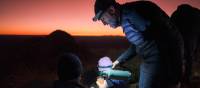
(151, 35)
(187, 20)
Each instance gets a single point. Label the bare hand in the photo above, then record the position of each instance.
(101, 83)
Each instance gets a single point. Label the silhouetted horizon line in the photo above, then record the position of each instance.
(71, 35)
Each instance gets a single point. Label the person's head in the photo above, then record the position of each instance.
(69, 67)
(184, 6)
(104, 64)
(108, 12)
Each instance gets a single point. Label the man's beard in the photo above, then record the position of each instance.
(114, 23)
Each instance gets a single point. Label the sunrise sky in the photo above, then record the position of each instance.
(41, 17)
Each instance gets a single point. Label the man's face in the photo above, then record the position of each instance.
(110, 17)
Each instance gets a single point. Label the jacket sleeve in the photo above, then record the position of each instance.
(128, 54)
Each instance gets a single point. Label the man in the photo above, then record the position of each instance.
(187, 20)
(151, 35)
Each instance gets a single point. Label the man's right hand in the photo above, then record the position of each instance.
(115, 63)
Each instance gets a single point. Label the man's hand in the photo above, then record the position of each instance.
(115, 63)
(101, 83)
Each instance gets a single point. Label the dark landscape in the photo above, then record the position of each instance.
(25, 59)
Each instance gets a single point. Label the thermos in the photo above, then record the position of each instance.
(116, 74)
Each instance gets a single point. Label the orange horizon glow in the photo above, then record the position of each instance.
(41, 17)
